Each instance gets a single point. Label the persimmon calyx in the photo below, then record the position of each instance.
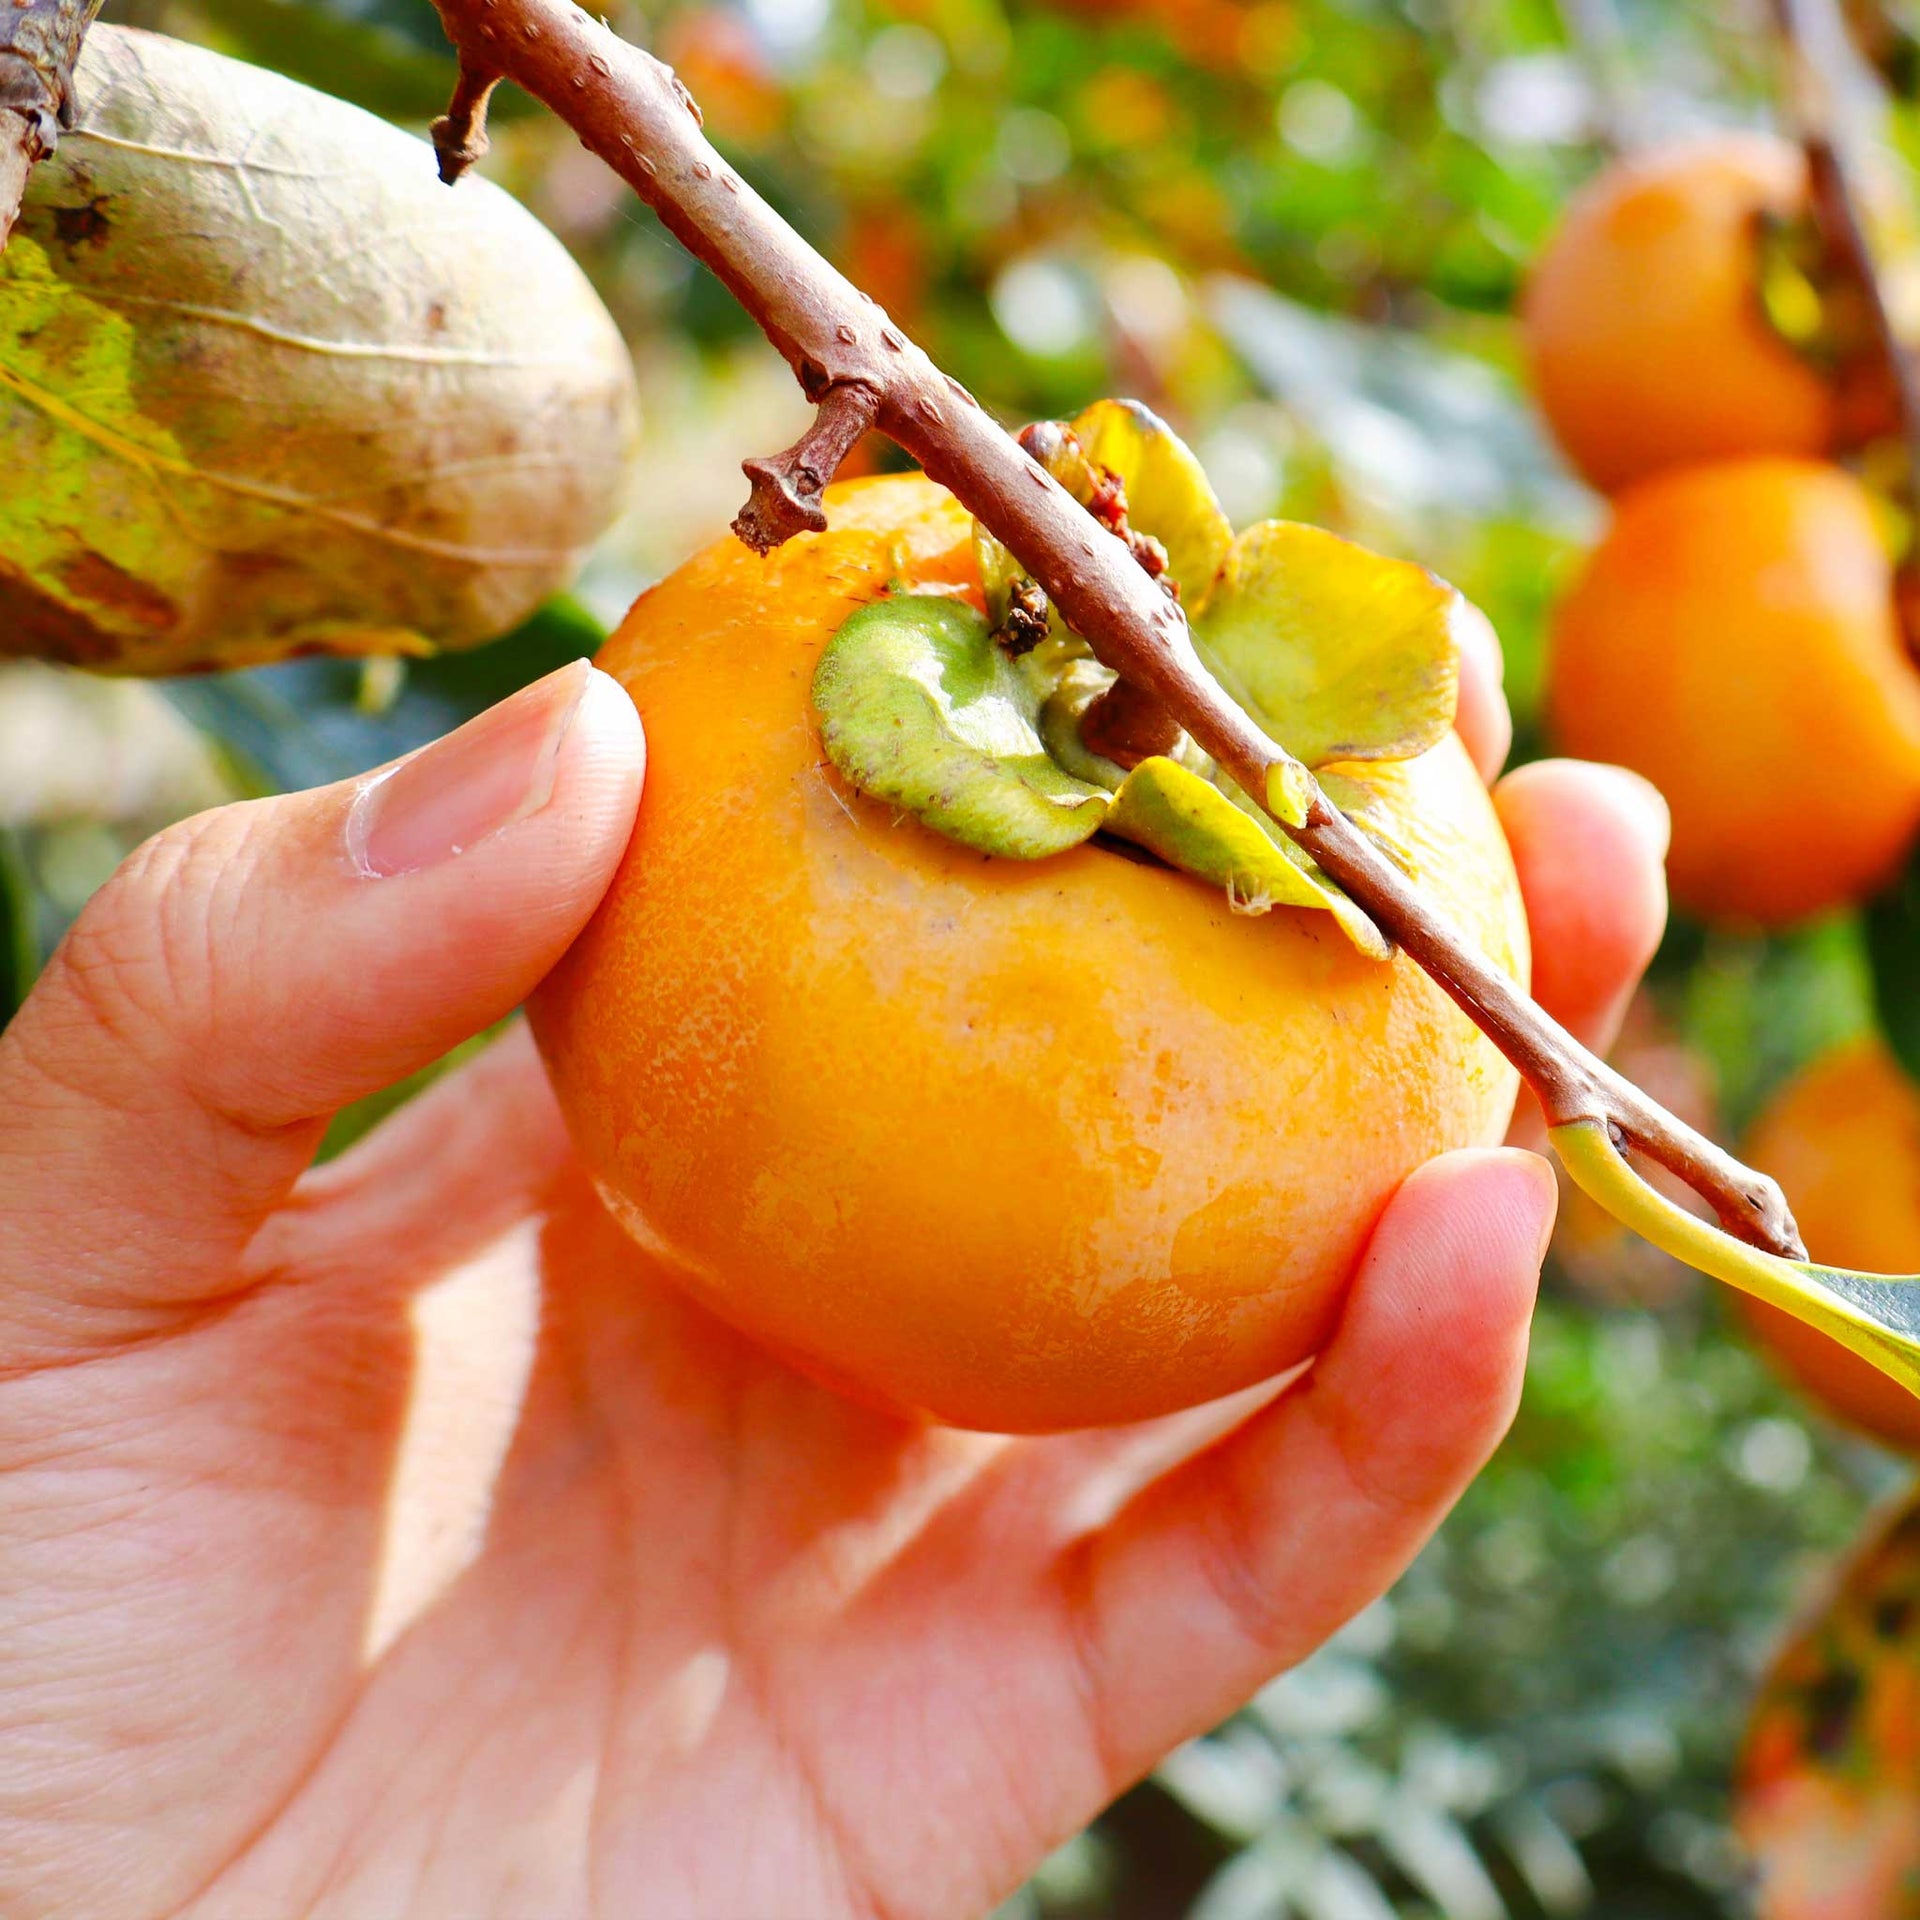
(978, 727)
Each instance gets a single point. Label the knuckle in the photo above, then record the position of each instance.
(1236, 1562)
(143, 958)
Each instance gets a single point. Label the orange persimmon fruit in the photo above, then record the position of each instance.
(1023, 1146)
(1843, 1140)
(1646, 335)
(1734, 639)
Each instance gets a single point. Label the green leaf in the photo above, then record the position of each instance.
(918, 707)
(1339, 653)
(1168, 493)
(1892, 926)
(1192, 825)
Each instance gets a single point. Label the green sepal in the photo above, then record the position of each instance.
(918, 707)
(1189, 823)
(1080, 684)
(1339, 653)
(1168, 493)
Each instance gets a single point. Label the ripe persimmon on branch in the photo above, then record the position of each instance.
(861, 370)
(39, 43)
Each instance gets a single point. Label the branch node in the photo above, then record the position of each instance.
(460, 134)
(785, 498)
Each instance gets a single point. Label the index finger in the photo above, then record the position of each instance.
(1482, 721)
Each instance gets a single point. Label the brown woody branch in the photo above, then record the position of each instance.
(631, 110)
(39, 44)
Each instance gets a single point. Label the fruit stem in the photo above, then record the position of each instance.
(631, 110)
(39, 43)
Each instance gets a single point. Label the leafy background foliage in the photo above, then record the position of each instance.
(1297, 227)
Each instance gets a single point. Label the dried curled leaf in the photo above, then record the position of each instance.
(918, 707)
(267, 386)
(1339, 653)
(1190, 824)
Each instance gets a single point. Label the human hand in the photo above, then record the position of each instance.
(384, 1539)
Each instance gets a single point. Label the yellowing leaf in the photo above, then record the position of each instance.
(1339, 653)
(1168, 493)
(918, 707)
(266, 384)
(1192, 825)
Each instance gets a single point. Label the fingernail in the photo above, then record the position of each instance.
(494, 771)
(1645, 802)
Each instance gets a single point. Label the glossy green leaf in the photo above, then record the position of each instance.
(1339, 653)
(918, 707)
(1168, 493)
(1189, 823)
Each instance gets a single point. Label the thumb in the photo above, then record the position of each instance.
(250, 971)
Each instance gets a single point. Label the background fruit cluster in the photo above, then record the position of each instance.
(1301, 228)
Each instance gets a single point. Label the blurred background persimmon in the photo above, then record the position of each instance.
(1843, 1139)
(1647, 336)
(1733, 637)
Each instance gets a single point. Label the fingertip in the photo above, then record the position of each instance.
(1589, 842)
(1481, 717)
(1468, 1227)
(1432, 1348)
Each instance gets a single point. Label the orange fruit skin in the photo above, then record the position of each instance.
(1843, 1140)
(1644, 332)
(1733, 638)
(1021, 1146)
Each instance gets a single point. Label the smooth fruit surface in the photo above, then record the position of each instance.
(1646, 338)
(1733, 638)
(1023, 1145)
(1843, 1140)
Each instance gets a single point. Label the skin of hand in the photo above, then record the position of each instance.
(382, 1540)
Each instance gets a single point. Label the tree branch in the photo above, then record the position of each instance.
(631, 110)
(39, 44)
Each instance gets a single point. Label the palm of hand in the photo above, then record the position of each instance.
(503, 1579)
